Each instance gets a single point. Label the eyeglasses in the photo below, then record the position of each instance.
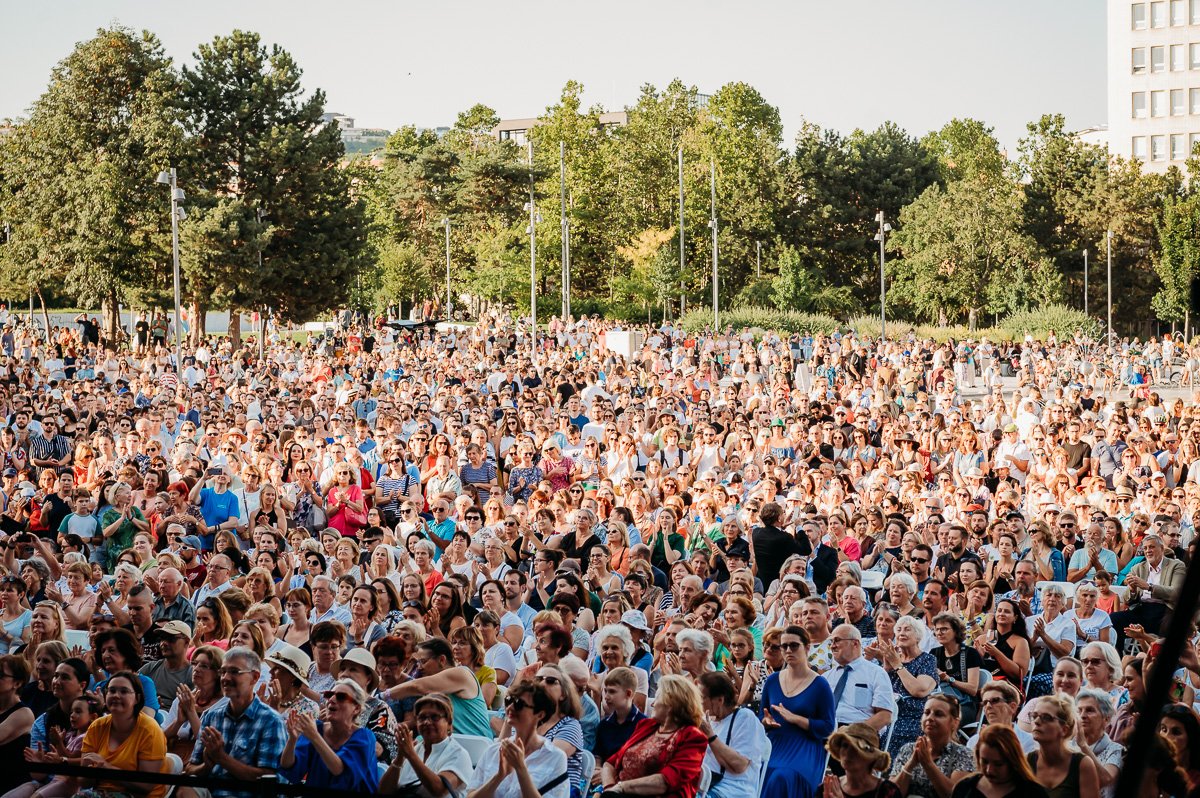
(234, 672)
(550, 680)
(1044, 717)
(920, 560)
(790, 646)
(334, 695)
(1092, 661)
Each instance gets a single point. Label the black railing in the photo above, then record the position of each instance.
(266, 786)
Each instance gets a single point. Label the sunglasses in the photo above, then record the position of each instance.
(516, 704)
(334, 695)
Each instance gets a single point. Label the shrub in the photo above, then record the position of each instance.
(760, 319)
(1063, 321)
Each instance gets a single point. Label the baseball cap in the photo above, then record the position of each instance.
(175, 628)
(191, 542)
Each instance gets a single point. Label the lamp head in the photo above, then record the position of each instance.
(164, 178)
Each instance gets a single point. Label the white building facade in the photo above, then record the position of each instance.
(1154, 80)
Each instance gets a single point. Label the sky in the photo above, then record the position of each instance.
(843, 64)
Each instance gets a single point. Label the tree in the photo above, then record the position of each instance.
(964, 251)
(78, 174)
(1177, 261)
(966, 149)
(256, 138)
(839, 185)
(801, 287)
(654, 275)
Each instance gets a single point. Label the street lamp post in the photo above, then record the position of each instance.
(168, 178)
(758, 260)
(534, 218)
(881, 237)
(1085, 282)
(712, 222)
(682, 256)
(260, 214)
(1108, 237)
(449, 300)
(566, 231)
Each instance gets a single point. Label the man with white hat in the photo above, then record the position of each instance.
(635, 622)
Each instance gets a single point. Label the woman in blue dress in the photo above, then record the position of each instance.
(798, 713)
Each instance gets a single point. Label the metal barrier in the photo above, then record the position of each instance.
(266, 786)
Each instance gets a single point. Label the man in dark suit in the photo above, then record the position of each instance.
(1154, 585)
(822, 559)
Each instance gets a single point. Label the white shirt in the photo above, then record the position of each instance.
(868, 689)
(545, 764)
(448, 756)
(747, 737)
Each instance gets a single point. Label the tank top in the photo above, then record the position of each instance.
(471, 714)
(1069, 787)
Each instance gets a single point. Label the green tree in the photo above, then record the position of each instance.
(966, 149)
(654, 275)
(800, 286)
(78, 174)
(839, 184)
(1177, 260)
(256, 137)
(964, 251)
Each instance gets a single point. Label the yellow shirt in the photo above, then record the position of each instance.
(147, 742)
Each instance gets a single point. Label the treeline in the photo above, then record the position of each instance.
(978, 233)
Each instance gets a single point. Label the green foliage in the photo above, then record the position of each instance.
(1061, 320)
(699, 319)
(802, 287)
(1178, 259)
(966, 149)
(77, 177)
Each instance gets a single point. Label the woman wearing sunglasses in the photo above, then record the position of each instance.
(335, 753)
(523, 762)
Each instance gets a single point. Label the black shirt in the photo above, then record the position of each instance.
(771, 547)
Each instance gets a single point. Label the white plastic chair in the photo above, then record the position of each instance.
(1068, 588)
(766, 759)
(476, 746)
(589, 769)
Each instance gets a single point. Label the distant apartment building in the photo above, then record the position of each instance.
(517, 130)
(1154, 80)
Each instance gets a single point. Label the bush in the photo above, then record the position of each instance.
(761, 319)
(1063, 321)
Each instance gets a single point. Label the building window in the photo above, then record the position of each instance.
(1177, 106)
(1178, 13)
(1158, 59)
(1158, 103)
(1158, 148)
(1158, 15)
(1196, 12)
(1194, 100)
(1139, 147)
(1138, 19)
(1177, 151)
(1138, 60)
(1139, 104)
(1178, 58)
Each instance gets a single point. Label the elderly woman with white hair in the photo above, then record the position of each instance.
(1102, 671)
(914, 675)
(1051, 635)
(1095, 710)
(1091, 623)
(695, 655)
(615, 649)
(902, 590)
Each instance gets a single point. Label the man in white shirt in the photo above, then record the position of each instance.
(1014, 452)
(862, 691)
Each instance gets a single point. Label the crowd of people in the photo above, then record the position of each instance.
(453, 561)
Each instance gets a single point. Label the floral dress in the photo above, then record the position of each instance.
(909, 708)
(532, 476)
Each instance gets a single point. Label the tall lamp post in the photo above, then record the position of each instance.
(534, 218)
(712, 222)
(1108, 237)
(260, 214)
(449, 301)
(881, 237)
(167, 178)
(566, 231)
(682, 256)
(1085, 282)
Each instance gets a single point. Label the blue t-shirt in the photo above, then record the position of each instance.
(217, 508)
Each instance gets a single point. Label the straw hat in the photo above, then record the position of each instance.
(863, 739)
